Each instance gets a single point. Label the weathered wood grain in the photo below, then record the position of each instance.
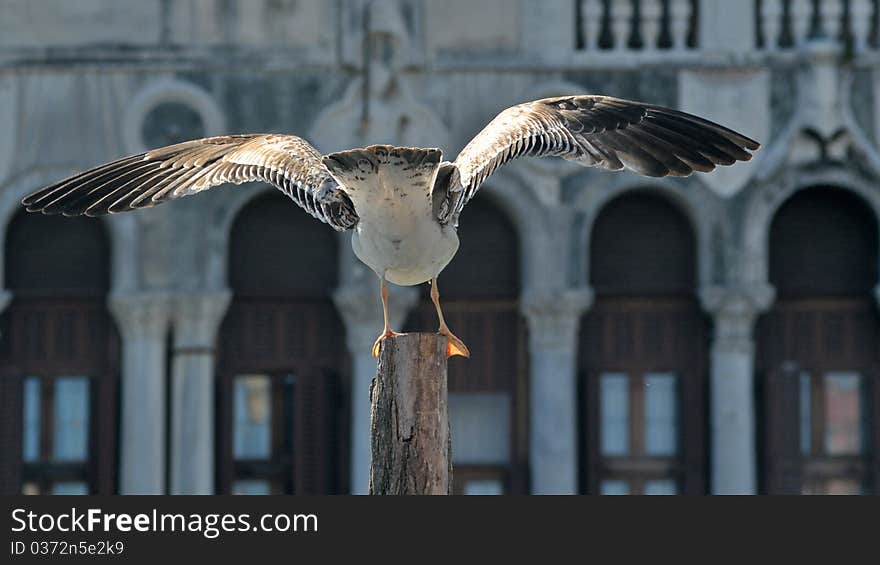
(409, 430)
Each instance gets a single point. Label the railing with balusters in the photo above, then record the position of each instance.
(788, 24)
(615, 32)
(646, 26)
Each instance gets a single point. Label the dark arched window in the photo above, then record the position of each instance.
(818, 353)
(58, 357)
(487, 262)
(282, 356)
(823, 242)
(276, 249)
(479, 292)
(643, 353)
(642, 245)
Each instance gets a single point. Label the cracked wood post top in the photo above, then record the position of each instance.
(409, 429)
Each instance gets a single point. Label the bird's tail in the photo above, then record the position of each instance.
(385, 171)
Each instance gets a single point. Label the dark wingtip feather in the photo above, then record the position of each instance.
(736, 138)
(35, 197)
(638, 157)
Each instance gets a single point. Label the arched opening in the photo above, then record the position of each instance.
(819, 347)
(59, 358)
(479, 292)
(282, 358)
(643, 353)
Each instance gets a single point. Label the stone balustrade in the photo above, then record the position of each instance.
(642, 25)
(785, 25)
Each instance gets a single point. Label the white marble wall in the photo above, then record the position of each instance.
(490, 25)
(253, 23)
(61, 23)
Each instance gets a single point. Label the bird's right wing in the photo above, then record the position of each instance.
(288, 162)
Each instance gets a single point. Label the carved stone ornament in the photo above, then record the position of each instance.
(738, 98)
(824, 127)
(379, 105)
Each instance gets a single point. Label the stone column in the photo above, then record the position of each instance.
(196, 318)
(732, 403)
(143, 320)
(360, 307)
(553, 330)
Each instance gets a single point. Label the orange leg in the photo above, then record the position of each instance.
(387, 332)
(454, 346)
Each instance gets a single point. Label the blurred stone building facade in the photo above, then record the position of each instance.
(716, 334)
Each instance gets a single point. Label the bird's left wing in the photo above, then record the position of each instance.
(597, 131)
(288, 162)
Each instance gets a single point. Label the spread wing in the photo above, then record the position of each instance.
(141, 181)
(595, 131)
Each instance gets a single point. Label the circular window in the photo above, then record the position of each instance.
(168, 112)
(171, 122)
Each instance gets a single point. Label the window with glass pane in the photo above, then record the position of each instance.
(484, 487)
(643, 351)
(60, 351)
(833, 427)
(55, 434)
(251, 487)
(481, 452)
(638, 432)
(262, 434)
(31, 425)
(661, 414)
(613, 487)
(278, 364)
(843, 413)
(253, 412)
(817, 346)
(70, 487)
(661, 487)
(484, 423)
(71, 425)
(480, 480)
(614, 410)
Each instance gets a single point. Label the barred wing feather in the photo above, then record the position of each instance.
(595, 131)
(288, 162)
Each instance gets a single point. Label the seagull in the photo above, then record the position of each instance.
(402, 204)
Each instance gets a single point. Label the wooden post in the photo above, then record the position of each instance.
(409, 423)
